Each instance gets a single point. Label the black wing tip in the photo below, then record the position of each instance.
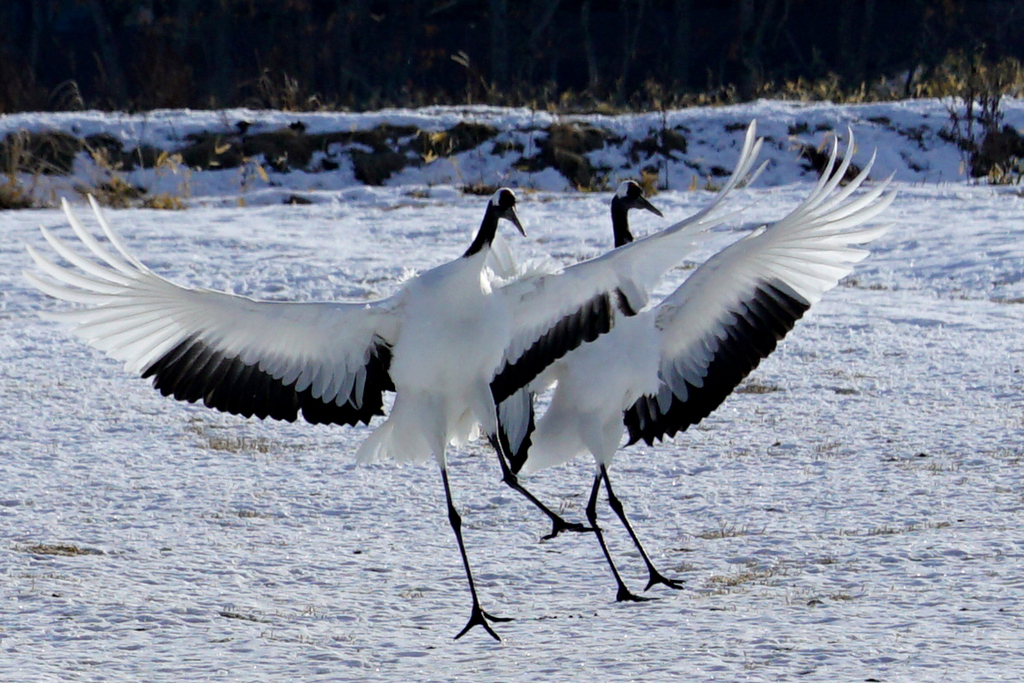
(194, 370)
(588, 322)
(767, 316)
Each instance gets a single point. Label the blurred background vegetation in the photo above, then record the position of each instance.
(562, 54)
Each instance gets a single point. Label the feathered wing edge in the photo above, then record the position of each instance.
(589, 296)
(327, 361)
(553, 314)
(732, 312)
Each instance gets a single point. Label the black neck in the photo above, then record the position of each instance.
(485, 235)
(620, 223)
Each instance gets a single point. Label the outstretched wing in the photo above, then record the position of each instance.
(328, 361)
(553, 314)
(727, 316)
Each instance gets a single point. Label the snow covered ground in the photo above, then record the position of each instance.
(911, 138)
(853, 513)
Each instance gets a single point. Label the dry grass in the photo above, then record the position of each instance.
(212, 438)
(757, 387)
(244, 617)
(15, 160)
(239, 514)
(725, 530)
(114, 190)
(893, 529)
(238, 444)
(1012, 174)
(750, 575)
(479, 189)
(13, 195)
(25, 157)
(163, 201)
(61, 549)
(829, 448)
(649, 182)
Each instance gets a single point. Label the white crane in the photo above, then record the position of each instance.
(628, 196)
(669, 366)
(448, 343)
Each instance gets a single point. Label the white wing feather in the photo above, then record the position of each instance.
(136, 317)
(631, 271)
(672, 364)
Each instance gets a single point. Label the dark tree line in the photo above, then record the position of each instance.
(141, 54)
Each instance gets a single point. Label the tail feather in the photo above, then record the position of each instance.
(388, 443)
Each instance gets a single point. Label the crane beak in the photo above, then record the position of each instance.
(642, 203)
(510, 214)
